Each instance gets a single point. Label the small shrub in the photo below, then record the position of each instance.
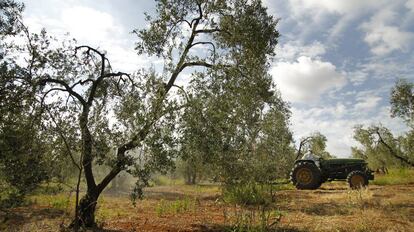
(252, 207)
(10, 198)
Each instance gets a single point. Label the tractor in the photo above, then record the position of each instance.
(311, 171)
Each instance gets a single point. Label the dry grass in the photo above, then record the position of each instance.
(334, 207)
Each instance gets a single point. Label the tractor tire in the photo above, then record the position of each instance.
(357, 179)
(306, 175)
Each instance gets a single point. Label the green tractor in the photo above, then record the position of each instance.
(311, 171)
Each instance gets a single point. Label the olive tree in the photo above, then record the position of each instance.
(24, 156)
(379, 145)
(112, 116)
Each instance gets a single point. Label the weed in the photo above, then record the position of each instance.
(259, 218)
(359, 197)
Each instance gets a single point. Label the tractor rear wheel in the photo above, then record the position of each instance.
(357, 179)
(306, 175)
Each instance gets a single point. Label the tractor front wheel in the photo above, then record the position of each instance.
(357, 179)
(306, 175)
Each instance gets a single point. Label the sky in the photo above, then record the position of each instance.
(335, 63)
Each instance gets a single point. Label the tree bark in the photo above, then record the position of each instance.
(87, 208)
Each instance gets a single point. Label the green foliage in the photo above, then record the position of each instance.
(252, 194)
(60, 203)
(379, 147)
(395, 176)
(10, 196)
(165, 180)
(237, 131)
(402, 101)
(315, 144)
(247, 194)
(24, 159)
(10, 13)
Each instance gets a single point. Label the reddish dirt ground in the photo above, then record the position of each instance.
(181, 208)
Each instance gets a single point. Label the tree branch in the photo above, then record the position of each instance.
(196, 63)
(118, 74)
(301, 144)
(392, 151)
(81, 82)
(65, 85)
(208, 31)
(62, 136)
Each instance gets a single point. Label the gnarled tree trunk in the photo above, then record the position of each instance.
(87, 208)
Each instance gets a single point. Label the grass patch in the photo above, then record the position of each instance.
(395, 176)
(162, 180)
(173, 207)
(58, 201)
(200, 189)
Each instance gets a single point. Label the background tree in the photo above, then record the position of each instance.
(402, 101)
(379, 146)
(315, 144)
(376, 153)
(239, 126)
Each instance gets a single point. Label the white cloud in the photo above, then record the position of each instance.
(337, 130)
(357, 77)
(316, 15)
(337, 6)
(382, 37)
(367, 103)
(410, 5)
(94, 28)
(292, 50)
(306, 79)
(89, 24)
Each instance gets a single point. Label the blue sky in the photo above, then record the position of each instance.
(336, 59)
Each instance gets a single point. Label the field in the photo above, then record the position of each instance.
(333, 207)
